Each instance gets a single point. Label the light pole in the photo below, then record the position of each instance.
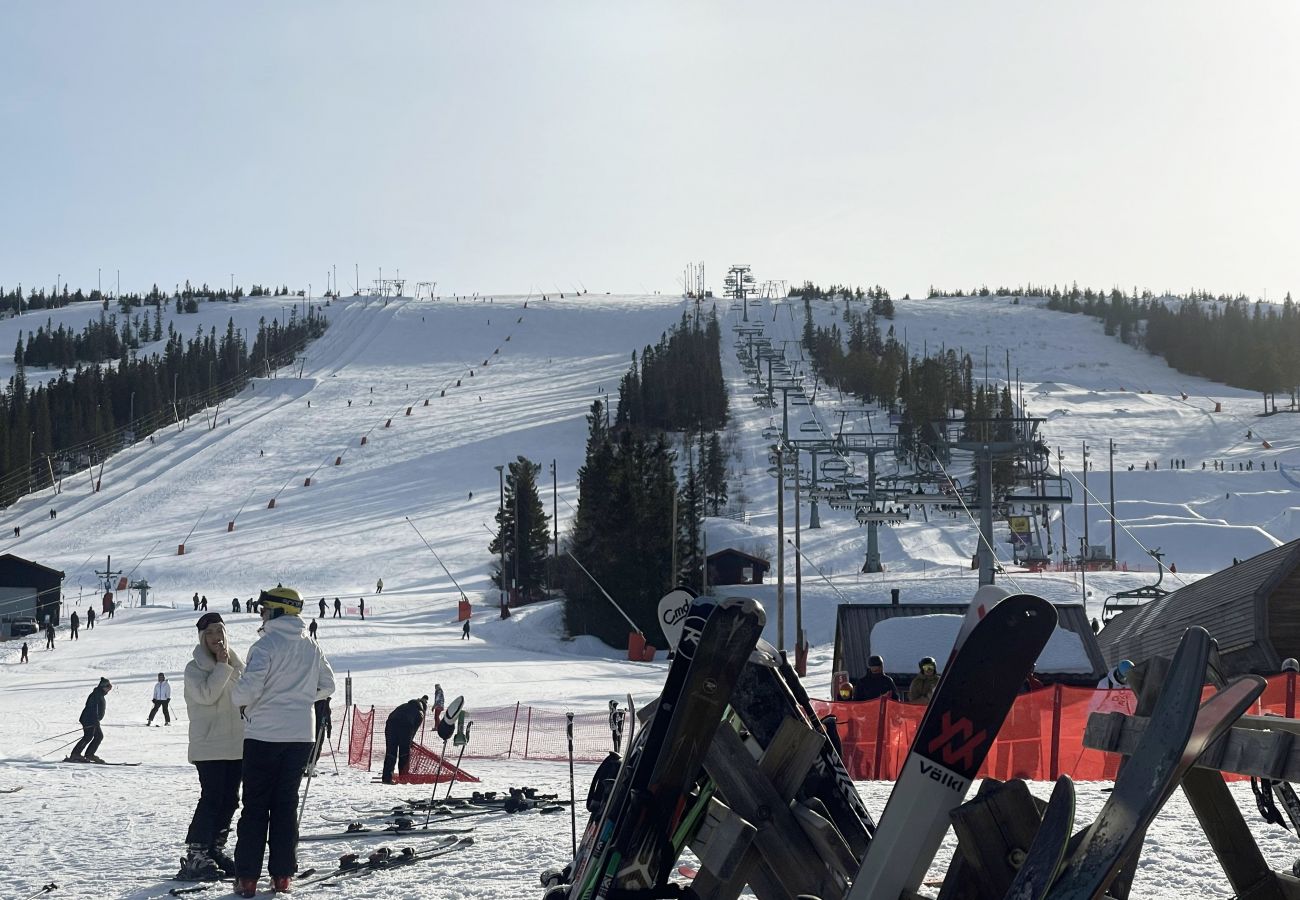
(131, 426)
(501, 514)
(30, 438)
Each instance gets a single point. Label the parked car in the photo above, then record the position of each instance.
(23, 626)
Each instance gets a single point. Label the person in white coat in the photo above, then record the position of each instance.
(216, 749)
(162, 699)
(285, 675)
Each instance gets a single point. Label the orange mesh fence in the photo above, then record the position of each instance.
(503, 732)
(427, 767)
(1041, 738)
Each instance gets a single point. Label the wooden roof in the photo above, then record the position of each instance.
(732, 551)
(28, 563)
(1230, 604)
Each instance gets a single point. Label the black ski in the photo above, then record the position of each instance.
(1047, 852)
(717, 640)
(382, 859)
(392, 831)
(91, 762)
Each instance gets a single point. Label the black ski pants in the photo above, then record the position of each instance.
(272, 775)
(164, 704)
(91, 737)
(397, 749)
(218, 800)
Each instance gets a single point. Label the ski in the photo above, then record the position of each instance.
(355, 833)
(383, 859)
(12, 790)
(1046, 853)
(1175, 738)
(717, 639)
(91, 762)
(971, 702)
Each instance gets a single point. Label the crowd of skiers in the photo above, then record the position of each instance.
(256, 722)
(876, 684)
(74, 629)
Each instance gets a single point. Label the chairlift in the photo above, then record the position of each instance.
(812, 426)
(771, 433)
(1049, 490)
(835, 468)
(1120, 601)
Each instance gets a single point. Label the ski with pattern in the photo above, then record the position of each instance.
(1047, 852)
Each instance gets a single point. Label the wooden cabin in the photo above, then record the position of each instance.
(1251, 608)
(731, 566)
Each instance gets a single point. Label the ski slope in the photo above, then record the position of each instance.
(117, 832)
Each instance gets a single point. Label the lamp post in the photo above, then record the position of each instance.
(131, 426)
(30, 438)
(501, 514)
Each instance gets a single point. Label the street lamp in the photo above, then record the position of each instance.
(501, 514)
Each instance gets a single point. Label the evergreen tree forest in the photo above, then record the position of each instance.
(677, 384)
(1225, 338)
(523, 538)
(105, 395)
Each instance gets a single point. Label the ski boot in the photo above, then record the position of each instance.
(75, 757)
(281, 884)
(245, 887)
(90, 757)
(218, 854)
(197, 865)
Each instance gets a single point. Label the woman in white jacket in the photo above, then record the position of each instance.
(216, 749)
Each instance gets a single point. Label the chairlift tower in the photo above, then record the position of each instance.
(739, 285)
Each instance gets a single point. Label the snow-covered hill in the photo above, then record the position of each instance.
(115, 833)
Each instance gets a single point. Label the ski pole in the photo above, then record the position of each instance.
(573, 807)
(433, 795)
(57, 749)
(459, 757)
(311, 770)
(55, 737)
(45, 890)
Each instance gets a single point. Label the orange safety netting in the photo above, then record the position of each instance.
(427, 767)
(1041, 738)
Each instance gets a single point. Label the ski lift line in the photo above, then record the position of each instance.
(196, 523)
(599, 586)
(143, 558)
(820, 573)
(993, 550)
(435, 556)
(1120, 525)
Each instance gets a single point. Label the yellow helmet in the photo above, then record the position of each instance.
(282, 600)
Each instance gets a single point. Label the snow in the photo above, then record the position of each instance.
(912, 638)
(118, 832)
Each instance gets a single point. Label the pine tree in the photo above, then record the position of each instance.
(690, 530)
(715, 474)
(523, 530)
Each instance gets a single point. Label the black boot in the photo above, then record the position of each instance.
(218, 853)
(197, 865)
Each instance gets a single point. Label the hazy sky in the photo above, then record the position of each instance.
(503, 146)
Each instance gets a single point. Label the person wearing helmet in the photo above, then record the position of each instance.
(285, 674)
(1117, 678)
(875, 683)
(926, 680)
(91, 715)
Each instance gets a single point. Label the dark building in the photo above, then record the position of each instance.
(731, 566)
(29, 589)
(1252, 609)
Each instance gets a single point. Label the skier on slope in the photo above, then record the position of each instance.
(926, 680)
(216, 747)
(875, 683)
(400, 730)
(91, 715)
(286, 673)
(162, 697)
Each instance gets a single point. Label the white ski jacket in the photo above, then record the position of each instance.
(162, 690)
(216, 731)
(285, 675)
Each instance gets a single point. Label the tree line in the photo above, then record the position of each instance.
(51, 428)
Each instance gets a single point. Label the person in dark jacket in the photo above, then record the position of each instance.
(875, 683)
(91, 715)
(74, 623)
(400, 729)
(322, 607)
(338, 608)
(926, 680)
(24, 656)
(49, 636)
(361, 603)
(90, 617)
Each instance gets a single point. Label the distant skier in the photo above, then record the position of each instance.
(464, 631)
(285, 675)
(926, 680)
(875, 683)
(112, 607)
(162, 697)
(91, 715)
(379, 586)
(90, 618)
(400, 729)
(361, 603)
(196, 601)
(49, 636)
(311, 629)
(24, 651)
(234, 605)
(338, 609)
(54, 514)
(74, 625)
(216, 747)
(203, 603)
(322, 607)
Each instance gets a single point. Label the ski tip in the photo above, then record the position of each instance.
(747, 605)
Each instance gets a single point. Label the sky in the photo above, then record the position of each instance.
(511, 146)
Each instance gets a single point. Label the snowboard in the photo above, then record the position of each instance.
(969, 706)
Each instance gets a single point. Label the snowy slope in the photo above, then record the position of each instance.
(435, 466)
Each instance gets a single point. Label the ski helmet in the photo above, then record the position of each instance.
(927, 661)
(281, 601)
(1122, 668)
(875, 661)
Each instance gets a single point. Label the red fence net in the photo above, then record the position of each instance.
(1041, 738)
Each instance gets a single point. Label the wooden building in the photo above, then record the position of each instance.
(731, 566)
(1252, 609)
(29, 589)
(854, 623)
